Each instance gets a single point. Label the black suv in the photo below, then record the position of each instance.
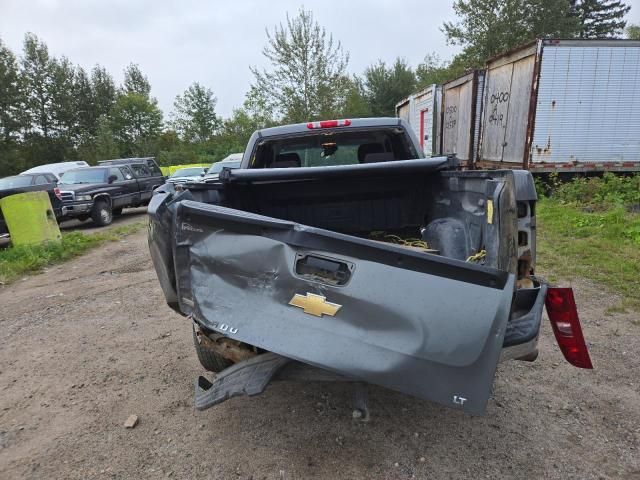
(103, 191)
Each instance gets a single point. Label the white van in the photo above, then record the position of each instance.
(57, 168)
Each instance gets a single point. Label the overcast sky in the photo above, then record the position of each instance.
(215, 42)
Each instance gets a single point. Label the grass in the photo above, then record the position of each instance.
(17, 261)
(593, 238)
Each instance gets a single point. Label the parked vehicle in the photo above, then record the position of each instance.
(57, 169)
(37, 182)
(186, 175)
(422, 111)
(144, 167)
(550, 106)
(337, 246)
(461, 117)
(101, 192)
(213, 173)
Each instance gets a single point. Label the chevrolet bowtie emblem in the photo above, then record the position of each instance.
(315, 304)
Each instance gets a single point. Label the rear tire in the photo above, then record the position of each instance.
(209, 359)
(101, 213)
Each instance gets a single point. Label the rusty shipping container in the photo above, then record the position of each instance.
(461, 113)
(422, 111)
(563, 105)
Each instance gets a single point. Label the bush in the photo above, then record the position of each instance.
(599, 193)
(602, 245)
(586, 229)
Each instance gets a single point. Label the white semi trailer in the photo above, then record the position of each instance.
(548, 106)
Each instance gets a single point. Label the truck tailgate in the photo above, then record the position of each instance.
(418, 323)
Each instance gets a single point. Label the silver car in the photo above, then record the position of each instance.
(187, 175)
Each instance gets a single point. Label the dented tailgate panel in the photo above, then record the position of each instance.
(417, 323)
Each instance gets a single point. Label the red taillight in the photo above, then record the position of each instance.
(57, 193)
(562, 311)
(329, 124)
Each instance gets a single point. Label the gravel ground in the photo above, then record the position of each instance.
(129, 215)
(88, 343)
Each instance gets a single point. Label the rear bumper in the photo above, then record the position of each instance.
(523, 328)
(251, 377)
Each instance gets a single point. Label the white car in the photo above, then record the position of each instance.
(57, 168)
(231, 161)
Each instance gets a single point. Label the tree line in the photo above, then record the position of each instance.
(52, 110)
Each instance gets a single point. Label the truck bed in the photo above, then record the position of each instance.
(279, 259)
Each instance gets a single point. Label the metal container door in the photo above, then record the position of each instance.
(424, 113)
(509, 81)
(518, 111)
(496, 112)
(451, 101)
(402, 111)
(457, 136)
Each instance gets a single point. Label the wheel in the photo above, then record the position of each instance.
(117, 211)
(209, 359)
(101, 213)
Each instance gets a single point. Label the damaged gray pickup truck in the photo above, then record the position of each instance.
(337, 252)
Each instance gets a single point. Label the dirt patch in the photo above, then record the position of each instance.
(91, 342)
(129, 215)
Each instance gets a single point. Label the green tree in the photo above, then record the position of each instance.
(37, 72)
(103, 91)
(259, 109)
(386, 86)
(236, 130)
(601, 18)
(356, 103)
(487, 28)
(136, 122)
(63, 106)
(84, 105)
(135, 81)
(235, 133)
(11, 113)
(168, 140)
(45, 81)
(11, 159)
(434, 70)
(633, 32)
(194, 117)
(106, 146)
(306, 79)
(11, 101)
